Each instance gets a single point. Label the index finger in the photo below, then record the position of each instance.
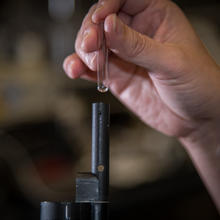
(106, 7)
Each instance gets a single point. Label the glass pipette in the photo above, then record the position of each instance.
(102, 61)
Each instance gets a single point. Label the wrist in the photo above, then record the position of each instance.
(205, 137)
(203, 146)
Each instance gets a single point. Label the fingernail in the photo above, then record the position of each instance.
(94, 18)
(68, 66)
(65, 64)
(112, 27)
(99, 7)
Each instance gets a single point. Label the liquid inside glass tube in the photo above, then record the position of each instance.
(102, 62)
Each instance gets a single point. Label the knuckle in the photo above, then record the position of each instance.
(92, 9)
(87, 18)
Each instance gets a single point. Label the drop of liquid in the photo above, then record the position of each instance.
(102, 89)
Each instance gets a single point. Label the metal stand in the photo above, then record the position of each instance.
(91, 200)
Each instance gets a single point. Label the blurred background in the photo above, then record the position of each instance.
(45, 122)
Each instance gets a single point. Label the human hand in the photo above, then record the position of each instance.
(158, 66)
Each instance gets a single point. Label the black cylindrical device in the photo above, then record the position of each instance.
(55, 211)
(100, 147)
(100, 158)
(91, 201)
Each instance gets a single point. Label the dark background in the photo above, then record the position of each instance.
(45, 122)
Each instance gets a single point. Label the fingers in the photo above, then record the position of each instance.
(133, 46)
(75, 68)
(122, 40)
(90, 40)
(106, 7)
(87, 41)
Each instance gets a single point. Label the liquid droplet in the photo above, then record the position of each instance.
(102, 89)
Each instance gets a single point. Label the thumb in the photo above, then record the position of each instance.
(135, 47)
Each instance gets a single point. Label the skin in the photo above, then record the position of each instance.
(161, 71)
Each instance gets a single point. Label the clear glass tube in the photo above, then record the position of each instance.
(102, 61)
